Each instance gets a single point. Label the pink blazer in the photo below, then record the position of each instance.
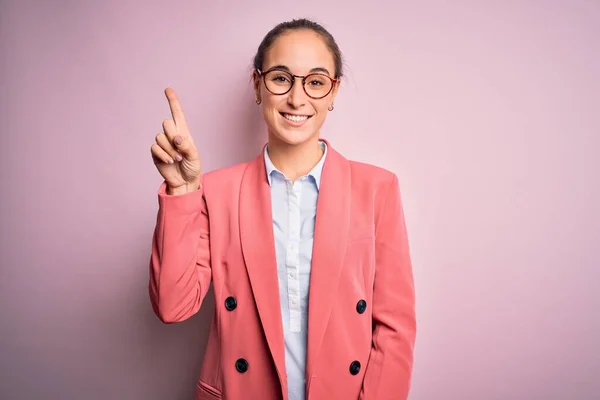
(361, 304)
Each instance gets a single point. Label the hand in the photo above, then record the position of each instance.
(174, 152)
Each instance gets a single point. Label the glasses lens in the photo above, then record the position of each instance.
(317, 85)
(278, 82)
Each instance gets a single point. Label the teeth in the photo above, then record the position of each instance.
(295, 118)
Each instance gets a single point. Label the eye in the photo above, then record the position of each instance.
(317, 81)
(280, 78)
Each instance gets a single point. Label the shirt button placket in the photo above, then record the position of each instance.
(293, 256)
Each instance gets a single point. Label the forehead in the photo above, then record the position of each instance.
(300, 51)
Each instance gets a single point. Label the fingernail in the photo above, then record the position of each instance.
(170, 161)
(178, 140)
(178, 157)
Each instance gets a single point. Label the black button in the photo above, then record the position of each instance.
(361, 306)
(230, 303)
(354, 367)
(241, 365)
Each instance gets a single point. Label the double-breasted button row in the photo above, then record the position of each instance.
(241, 365)
(361, 307)
(231, 304)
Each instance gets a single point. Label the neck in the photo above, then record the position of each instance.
(295, 160)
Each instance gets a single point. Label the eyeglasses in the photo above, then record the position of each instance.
(279, 81)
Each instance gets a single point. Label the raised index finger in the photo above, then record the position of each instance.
(176, 110)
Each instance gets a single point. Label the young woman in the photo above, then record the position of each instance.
(307, 251)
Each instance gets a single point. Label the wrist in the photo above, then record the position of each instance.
(183, 189)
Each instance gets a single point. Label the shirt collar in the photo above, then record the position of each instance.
(315, 173)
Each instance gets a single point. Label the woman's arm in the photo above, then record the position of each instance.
(389, 369)
(180, 272)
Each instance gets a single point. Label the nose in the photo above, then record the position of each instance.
(296, 96)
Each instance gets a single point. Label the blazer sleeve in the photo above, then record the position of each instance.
(180, 272)
(389, 369)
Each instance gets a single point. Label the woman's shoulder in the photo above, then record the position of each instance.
(371, 173)
(363, 172)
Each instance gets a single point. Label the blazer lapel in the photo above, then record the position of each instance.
(258, 247)
(332, 226)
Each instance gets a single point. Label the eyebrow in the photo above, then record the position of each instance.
(285, 68)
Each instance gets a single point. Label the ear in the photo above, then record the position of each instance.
(256, 79)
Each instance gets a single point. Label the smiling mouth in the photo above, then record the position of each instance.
(295, 118)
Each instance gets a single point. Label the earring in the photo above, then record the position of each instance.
(258, 101)
(330, 108)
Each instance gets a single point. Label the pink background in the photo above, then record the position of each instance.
(489, 114)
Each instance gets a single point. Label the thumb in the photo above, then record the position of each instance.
(185, 146)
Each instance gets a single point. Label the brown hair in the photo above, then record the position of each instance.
(298, 24)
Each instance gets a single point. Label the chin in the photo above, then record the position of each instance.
(292, 137)
(294, 132)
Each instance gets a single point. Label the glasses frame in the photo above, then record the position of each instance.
(262, 74)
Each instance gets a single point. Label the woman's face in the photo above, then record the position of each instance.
(294, 117)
